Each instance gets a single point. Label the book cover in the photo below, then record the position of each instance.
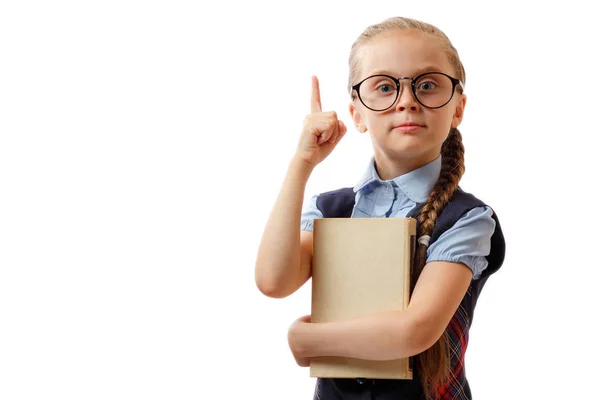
(360, 266)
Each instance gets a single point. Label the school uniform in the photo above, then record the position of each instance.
(467, 231)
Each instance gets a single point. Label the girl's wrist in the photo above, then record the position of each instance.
(302, 166)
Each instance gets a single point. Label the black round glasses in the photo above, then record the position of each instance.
(431, 90)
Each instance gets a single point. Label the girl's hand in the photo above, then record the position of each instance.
(295, 339)
(322, 131)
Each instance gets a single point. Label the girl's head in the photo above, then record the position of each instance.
(401, 48)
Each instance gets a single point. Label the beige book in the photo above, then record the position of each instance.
(360, 266)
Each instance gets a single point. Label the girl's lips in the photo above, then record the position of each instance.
(407, 128)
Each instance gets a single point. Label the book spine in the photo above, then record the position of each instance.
(413, 246)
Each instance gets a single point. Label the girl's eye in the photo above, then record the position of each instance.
(385, 88)
(427, 86)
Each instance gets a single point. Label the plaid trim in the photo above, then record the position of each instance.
(317, 394)
(457, 387)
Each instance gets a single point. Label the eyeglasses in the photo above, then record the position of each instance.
(431, 90)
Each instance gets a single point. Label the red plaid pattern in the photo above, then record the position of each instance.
(456, 387)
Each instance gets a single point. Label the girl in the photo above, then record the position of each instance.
(406, 85)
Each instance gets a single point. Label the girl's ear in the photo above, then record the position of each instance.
(357, 119)
(459, 111)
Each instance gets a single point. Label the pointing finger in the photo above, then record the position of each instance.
(315, 101)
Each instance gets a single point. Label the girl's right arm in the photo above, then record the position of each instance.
(285, 253)
(283, 262)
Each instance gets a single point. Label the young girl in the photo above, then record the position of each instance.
(406, 85)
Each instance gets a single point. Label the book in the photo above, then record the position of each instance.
(361, 266)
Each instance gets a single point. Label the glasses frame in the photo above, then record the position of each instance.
(455, 83)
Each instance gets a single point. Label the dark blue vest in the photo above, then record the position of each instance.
(339, 204)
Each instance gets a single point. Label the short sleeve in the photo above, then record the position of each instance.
(467, 242)
(309, 213)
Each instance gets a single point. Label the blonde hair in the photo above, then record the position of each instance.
(397, 23)
(434, 363)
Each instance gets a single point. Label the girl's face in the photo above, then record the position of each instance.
(406, 53)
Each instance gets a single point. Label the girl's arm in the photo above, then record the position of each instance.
(454, 259)
(285, 253)
(391, 335)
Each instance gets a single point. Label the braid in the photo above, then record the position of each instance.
(434, 363)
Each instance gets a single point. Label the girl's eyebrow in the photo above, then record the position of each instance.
(415, 73)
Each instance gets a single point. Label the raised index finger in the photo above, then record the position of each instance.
(315, 101)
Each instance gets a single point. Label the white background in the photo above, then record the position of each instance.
(143, 144)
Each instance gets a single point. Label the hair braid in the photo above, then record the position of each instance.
(434, 363)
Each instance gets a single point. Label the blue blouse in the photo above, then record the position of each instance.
(467, 242)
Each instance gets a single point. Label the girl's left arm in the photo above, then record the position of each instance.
(390, 335)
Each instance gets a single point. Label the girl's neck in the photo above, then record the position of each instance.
(392, 168)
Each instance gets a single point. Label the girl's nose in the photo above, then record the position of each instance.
(406, 99)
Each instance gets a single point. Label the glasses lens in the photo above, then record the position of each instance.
(378, 92)
(433, 90)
